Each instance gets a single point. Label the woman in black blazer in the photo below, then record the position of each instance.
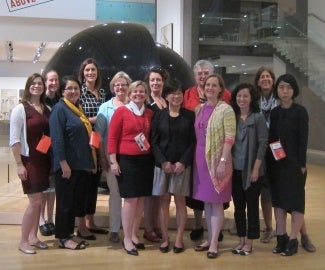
(173, 143)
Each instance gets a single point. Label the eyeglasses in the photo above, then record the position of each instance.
(70, 88)
(121, 85)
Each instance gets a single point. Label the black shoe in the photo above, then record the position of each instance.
(196, 234)
(45, 230)
(86, 237)
(220, 237)
(201, 248)
(132, 251)
(292, 248)
(98, 230)
(51, 227)
(139, 245)
(212, 255)
(178, 249)
(164, 249)
(282, 241)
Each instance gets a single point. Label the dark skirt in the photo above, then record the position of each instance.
(38, 172)
(287, 185)
(136, 176)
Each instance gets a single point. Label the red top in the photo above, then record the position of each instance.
(191, 98)
(123, 127)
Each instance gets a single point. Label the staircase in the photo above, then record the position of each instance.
(307, 56)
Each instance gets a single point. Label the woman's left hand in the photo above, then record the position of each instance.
(179, 168)
(221, 169)
(254, 175)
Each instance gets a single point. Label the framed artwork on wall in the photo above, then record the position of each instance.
(167, 35)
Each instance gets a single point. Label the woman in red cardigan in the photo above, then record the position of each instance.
(131, 160)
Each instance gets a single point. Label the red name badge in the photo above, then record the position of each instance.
(44, 144)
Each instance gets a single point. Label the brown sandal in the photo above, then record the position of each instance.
(70, 244)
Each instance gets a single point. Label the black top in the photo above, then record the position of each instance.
(173, 138)
(290, 126)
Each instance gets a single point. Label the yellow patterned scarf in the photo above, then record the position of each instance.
(78, 111)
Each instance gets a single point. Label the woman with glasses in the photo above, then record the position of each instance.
(29, 121)
(73, 158)
(119, 87)
(248, 161)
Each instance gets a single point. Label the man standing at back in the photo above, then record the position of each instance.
(192, 98)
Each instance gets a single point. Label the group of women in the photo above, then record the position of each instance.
(152, 148)
(66, 118)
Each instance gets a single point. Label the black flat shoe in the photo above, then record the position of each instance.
(45, 230)
(212, 255)
(178, 249)
(236, 250)
(132, 251)
(164, 249)
(201, 248)
(196, 234)
(98, 230)
(139, 245)
(220, 237)
(51, 227)
(86, 237)
(246, 252)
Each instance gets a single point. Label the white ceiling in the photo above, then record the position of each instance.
(24, 51)
(26, 35)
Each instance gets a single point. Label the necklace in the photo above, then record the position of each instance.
(37, 107)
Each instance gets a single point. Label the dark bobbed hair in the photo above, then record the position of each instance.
(290, 79)
(163, 73)
(171, 86)
(253, 106)
(221, 82)
(258, 75)
(64, 81)
(27, 95)
(81, 76)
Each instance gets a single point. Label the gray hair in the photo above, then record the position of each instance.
(203, 64)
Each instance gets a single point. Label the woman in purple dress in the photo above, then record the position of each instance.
(215, 128)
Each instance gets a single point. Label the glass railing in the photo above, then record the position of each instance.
(287, 39)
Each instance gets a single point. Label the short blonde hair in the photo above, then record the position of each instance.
(119, 75)
(135, 84)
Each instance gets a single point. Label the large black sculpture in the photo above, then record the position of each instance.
(119, 46)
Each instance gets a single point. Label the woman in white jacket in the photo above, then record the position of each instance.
(29, 122)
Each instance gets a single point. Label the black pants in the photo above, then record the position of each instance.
(70, 201)
(246, 199)
(92, 190)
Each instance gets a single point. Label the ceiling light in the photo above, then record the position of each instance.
(10, 51)
(39, 52)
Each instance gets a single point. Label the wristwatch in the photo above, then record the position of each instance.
(222, 159)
